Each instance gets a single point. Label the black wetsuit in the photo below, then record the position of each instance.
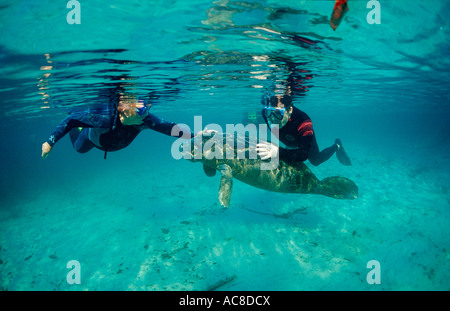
(97, 123)
(298, 136)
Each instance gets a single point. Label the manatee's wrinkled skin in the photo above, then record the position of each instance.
(287, 178)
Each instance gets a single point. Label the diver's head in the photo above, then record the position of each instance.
(133, 113)
(277, 109)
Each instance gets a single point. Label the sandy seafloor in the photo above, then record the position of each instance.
(164, 230)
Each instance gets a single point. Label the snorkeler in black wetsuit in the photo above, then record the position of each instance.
(296, 133)
(109, 129)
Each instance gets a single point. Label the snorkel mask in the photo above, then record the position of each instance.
(278, 113)
(144, 110)
(271, 106)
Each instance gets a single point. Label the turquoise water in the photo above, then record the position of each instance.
(142, 220)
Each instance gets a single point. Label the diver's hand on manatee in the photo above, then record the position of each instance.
(267, 150)
(206, 132)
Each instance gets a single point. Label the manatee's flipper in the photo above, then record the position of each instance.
(342, 155)
(209, 171)
(338, 188)
(226, 185)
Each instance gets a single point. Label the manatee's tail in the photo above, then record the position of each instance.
(338, 188)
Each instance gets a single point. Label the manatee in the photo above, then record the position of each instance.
(234, 156)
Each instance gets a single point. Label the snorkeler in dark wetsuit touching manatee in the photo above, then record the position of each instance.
(296, 133)
(108, 128)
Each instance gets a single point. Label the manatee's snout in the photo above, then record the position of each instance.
(191, 149)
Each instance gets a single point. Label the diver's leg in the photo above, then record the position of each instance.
(80, 140)
(317, 157)
(74, 134)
